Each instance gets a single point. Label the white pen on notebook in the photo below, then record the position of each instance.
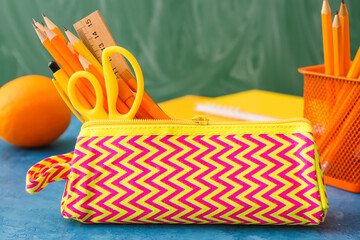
(230, 112)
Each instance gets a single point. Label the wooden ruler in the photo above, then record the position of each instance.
(96, 36)
(93, 31)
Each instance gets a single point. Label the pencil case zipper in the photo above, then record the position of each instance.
(197, 121)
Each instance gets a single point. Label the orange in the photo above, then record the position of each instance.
(32, 114)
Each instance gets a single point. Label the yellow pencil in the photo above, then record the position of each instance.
(80, 47)
(62, 48)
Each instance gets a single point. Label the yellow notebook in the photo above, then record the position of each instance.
(254, 105)
(184, 108)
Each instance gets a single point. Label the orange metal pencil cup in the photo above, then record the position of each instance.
(332, 104)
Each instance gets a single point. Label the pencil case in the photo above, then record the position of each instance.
(189, 172)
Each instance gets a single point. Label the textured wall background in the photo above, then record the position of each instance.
(208, 48)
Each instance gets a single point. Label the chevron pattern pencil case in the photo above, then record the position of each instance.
(170, 171)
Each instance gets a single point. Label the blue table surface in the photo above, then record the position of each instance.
(25, 216)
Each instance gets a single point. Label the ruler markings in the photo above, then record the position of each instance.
(96, 36)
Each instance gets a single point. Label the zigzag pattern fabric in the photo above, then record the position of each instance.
(49, 170)
(233, 179)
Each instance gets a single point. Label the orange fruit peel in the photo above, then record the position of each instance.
(31, 111)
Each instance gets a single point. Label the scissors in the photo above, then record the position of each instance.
(111, 88)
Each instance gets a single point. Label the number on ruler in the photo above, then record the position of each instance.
(88, 22)
(102, 46)
(95, 34)
(97, 37)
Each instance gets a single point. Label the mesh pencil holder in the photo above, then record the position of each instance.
(332, 104)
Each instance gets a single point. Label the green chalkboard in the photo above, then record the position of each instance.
(207, 48)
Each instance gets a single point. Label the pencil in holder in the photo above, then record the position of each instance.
(332, 104)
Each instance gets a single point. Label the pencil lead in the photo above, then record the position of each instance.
(34, 25)
(343, 1)
(337, 12)
(42, 24)
(65, 29)
(34, 21)
(43, 15)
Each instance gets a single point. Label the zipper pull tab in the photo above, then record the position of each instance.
(200, 119)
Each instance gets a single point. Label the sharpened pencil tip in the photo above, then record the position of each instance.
(65, 29)
(42, 24)
(337, 12)
(34, 25)
(43, 15)
(34, 21)
(343, 1)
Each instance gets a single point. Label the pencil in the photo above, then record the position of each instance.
(327, 38)
(39, 25)
(80, 47)
(85, 86)
(54, 28)
(89, 96)
(347, 100)
(354, 70)
(343, 106)
(125, 96)
(344, 19)
(89, 68)
(148, 103)
(53, 52)
(91, 64)
(338, 47)
(62, 48)
(346, 133)
(72, 50)
(62, 79)
(128, 98)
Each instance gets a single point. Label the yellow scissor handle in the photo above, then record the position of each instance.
(112, 86)
(98, 112)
